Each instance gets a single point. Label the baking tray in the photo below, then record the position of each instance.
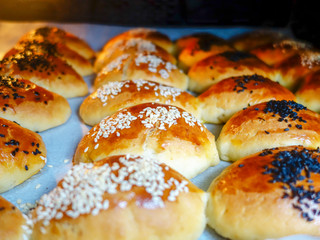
(62, 141)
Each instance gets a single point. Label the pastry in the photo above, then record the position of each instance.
(253, 39)
(231, 95)
(142, 66)
(130, 46)
(151, 35)
(295, 68)
(31, 106)
(75, 60)
(13, 224)
(273, 53)
(23, 154)
(47, 71)
(198, 46)
(121, 197)
(268, 195)
(169, 133)
(267, 125)
(56, 35)
(213, 69)
(114, 96)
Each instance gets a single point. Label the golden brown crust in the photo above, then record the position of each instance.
(117, 95)
(142, 66)
(151, 35)
(255, 199)
(198, 46)
(253, 39)
(46, 71)
(11, 221)
(309, 93)
(23, 154)
(174, 136)
(31, 106)
(231, 95)
(124, 204)
(130, 46)
(267, 125)
(213, 69)
(80, 64)
(56, 35)
(276, 52)
(293, 69)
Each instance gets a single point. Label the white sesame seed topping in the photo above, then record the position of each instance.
(140, 44)
(155, 64)
(310, 59)
(38, 186)
(83, 188)
(115, 64)
(111, 124)
(160, 117)
(112, 89)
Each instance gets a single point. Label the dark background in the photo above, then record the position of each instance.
(301, 17)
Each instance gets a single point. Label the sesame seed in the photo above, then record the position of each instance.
(82, 190)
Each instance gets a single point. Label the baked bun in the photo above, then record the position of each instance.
(293, 69)
(46, 71)
(117, 95)
(309, 93)
(151, 35)
(198, 46)
(75, 60)
(172, 135)
(23, 154)
(121, 197)
(273, 53)
(267, 125)
(130, 46)
(31, 106)
(268, 195)
(231, 95)
(142, 66)
(213, 69)
(56, 35)
(253, 39)
(13, 224)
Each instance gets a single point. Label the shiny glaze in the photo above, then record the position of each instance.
(19, 146)
(15, 91)
(258, 87)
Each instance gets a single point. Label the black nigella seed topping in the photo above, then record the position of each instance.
(12, 143)
(45, 46)
(240, 165)
(286, 110)
(30, 62)
(36, 152)
(26, 167)
(236, 56)
(2, 135)
(266, 132)
(292, 167)
(243, 80)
